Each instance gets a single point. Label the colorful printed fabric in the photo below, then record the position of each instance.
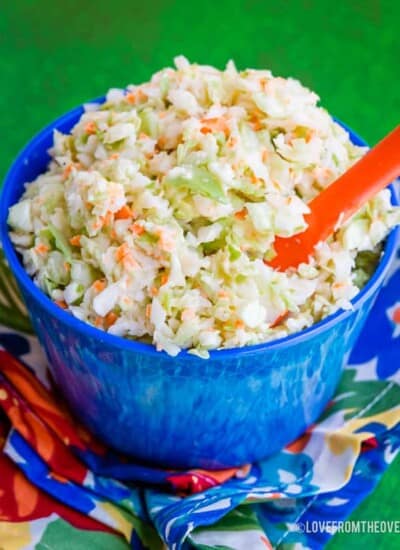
(59, 484)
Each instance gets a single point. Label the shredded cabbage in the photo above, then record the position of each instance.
(158, 210)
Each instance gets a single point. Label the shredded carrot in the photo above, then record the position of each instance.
(123, 213)
(99, 321)
(162, 114)
(67, 171)
(148, 311)
(90, 127)
(141, 95)
(110, 319)
(124, 255)
(130, 98)
(42, 248)
(114, 156)
(264, 155)
(256, 125)
(99, 285)
(239, 324)
(142, 135)
(154, 291)
(137, 229)
(217, 124)
(253, 178)
(205, 130)
(338, 285)
(279, 319)
(241, 214)
(107, 219)
(310, 134)
(75, 240)
(223, 294)
(121, 252)
(61, 303)
(113, 234)
(161, 142)
(164, 279)
(67, 266)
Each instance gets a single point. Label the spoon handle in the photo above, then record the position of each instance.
(338, 202)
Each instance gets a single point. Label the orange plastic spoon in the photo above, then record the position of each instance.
(338, 202)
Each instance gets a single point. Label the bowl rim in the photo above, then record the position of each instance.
(71, 117)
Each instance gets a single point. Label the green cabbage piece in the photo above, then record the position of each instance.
(201, 182)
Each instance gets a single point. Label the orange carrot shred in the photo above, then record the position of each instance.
(141, 95)
(67, 171)
(279, 319)
(130, 98)
(241, 214)
(75, 240)
(98, 322)
(137, 229)
(148, 310)
(99, 285)
(121, 252)
(218, 124)
(110, 319)
(123, 213)
(107, 219)
(42, 248)
(161, 142)
(90, 128)
(61, 303)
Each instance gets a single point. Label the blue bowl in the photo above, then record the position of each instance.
(236, 407)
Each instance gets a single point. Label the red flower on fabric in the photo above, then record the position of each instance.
(394, 316)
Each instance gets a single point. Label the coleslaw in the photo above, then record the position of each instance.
(158, 211)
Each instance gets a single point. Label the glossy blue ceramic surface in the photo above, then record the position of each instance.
(236, 407)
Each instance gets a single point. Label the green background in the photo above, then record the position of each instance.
(56, 55)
